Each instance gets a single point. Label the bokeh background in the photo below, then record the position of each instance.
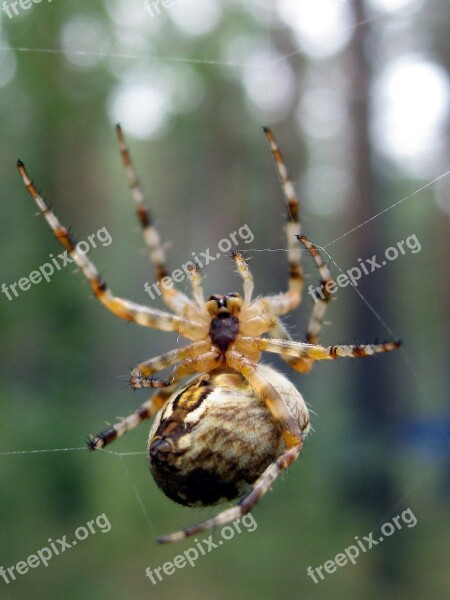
(357, 93)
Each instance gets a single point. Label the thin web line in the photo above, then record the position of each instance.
(342, 30)
(180, 59)
(127, 56)
(403, 353)
(387, 209)
(138, 497)
(41, 451)
(83, 448)
(363, 298)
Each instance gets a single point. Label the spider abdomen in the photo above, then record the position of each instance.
(214, 438)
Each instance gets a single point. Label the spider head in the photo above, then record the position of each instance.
(224, 307)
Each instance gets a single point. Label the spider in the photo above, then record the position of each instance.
(236, 424)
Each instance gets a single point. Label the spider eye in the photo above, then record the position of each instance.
(214, 303)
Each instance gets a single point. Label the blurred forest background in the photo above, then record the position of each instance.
(357, 93)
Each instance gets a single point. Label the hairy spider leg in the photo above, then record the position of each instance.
(158, 363)
(259, 488)
(262, 386)
(279, 331)
(287, 301)
(316, 352)
(196, 285)
(142, 315)
(293, 441)
(143, 413)
(173, 298)
(246, 276)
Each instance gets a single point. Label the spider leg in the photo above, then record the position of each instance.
(158, 363)
(143, 413)
(317, 352)
(287, 301)
(174, 299)
(196, 284)
(320, 306)
(259, 488)
(107, 436)
(203, 363)
(316, 320)
(279, 332)
(247, 277)
(142, 315)
(262, 386)
(197, 364)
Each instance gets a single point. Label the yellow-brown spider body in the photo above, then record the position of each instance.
(200, 456)
(238, 423)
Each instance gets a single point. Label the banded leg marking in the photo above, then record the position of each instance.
(317, 352)
(303, 365)
(158, 363)
(174, 299)
(144, 412)
(292, 298)
(320, 306)
(202, 363)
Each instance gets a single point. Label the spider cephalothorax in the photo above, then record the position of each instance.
(236, 424)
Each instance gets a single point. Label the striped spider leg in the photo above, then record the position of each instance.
(142, 315)
(289, 300)
(295, 285)
(173, 298)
